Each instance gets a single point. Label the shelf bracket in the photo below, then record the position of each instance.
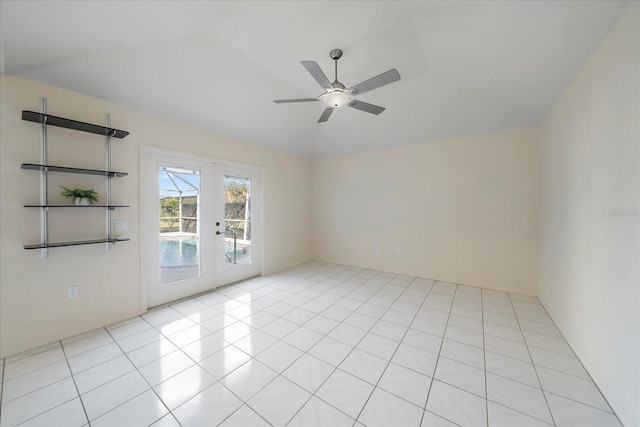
(44, 184)
(107, 156)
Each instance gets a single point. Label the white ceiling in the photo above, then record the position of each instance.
(466, 66)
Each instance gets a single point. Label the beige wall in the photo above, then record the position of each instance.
(526, 210)
(589, 258)
(460, 210)
(34, 306)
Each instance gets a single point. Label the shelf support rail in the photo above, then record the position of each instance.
(107, 156)
(44, 196)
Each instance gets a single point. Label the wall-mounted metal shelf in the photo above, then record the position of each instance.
(75, 243)
(51, 168)
(111, 207)
(45, 120)
(50, 120)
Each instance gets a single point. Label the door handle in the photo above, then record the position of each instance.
(219, 233)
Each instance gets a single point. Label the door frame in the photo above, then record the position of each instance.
(146, 150)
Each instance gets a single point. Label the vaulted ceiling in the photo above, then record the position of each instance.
(466, 66)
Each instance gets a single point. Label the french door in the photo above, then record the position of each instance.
(237, 223)
(201, 225)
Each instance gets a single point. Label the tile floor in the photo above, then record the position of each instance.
(315, 345)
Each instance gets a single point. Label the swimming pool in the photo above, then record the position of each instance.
(185, 252)
(179, 253)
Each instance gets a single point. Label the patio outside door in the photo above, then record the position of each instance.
(201, 225)
(237, 226)
(179, 231)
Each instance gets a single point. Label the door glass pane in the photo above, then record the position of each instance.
(179, 225)
(237, 214)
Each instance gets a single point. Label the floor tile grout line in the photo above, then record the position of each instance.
(562, 372)
(493, 401)
(439, 416)
(44, 386)
(354, 347)
(4, 383)
(240, 407)
(523, 331)
(125, 402)
(287, 284)
(484, 353)
(520, 412)
(93, 332)
(107, 382)
(252, 357)
(38, 350)
(435, 367)
(142, 346)
(327, 336)
(302, 355)
(217, 381)
(336, 367)
(573, 355)
(511, 379)
(28, 372)
(537, 375)
(2, 386)
(87, 351)
(582, 403)
(143, 378)
(75, 385)
(93, 366)
(40, 387)
(131, 321)
(394, 353)
(50, 409)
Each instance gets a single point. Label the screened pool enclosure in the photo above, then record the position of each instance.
(179, 232)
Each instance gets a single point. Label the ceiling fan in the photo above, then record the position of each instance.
(336, 94)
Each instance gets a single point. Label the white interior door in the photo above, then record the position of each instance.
(178, 229)
(238, 223)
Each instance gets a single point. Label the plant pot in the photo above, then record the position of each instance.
(81, 201)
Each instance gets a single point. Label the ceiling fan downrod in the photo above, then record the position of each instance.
(336, 54)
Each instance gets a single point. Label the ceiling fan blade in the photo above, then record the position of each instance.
(325, 114)
(314, 69)
(375, 82)
(365, 106)
(282, 101)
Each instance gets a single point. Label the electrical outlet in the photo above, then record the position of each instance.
(120, 225)
(72, 292)
(377, 249)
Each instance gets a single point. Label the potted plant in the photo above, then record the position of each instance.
(80, 196)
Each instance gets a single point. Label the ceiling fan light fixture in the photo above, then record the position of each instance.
(336, 98)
